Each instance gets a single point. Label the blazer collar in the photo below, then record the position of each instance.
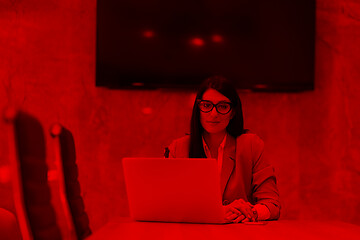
(228, 162)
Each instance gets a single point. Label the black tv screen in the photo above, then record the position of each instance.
(265, 45)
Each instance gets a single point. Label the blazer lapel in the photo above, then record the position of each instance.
(228, 162)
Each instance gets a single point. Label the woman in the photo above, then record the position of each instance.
(247, 179)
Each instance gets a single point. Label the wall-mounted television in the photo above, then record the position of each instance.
(261, 45)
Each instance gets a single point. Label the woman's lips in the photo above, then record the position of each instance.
(213, 122)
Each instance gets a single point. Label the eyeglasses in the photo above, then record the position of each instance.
(221, 107)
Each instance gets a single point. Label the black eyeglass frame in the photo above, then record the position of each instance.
(198, 101)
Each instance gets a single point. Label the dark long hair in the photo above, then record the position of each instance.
(236, 125)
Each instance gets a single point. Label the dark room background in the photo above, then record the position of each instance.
(47, 67)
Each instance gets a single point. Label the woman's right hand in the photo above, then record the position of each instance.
(239, 211)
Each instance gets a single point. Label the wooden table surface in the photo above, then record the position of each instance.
(125, 228)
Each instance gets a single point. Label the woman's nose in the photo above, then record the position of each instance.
(214, 112)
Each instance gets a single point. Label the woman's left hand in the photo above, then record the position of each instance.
(240, 211)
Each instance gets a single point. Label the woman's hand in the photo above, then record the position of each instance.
(239, 211)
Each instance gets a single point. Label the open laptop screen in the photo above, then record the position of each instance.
(173, 190)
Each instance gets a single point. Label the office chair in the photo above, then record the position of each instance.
(66, 159)
(32, 195)
(9, 229)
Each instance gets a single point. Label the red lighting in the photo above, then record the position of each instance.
(148, 34)
(217, 38)
(197, 42)
(261, 86)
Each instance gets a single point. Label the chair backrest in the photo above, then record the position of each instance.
(32, 195)
(66, 155)
(9, 228)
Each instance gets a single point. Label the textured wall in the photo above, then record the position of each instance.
(47, 66)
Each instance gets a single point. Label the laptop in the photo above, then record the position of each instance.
(173, 190)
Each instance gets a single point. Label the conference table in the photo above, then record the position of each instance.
(125, 228)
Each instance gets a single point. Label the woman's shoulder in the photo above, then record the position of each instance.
(249, 146)
(182, 140)
(180, 147)
(249, 138)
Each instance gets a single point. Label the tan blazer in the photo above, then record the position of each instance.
(245, 174)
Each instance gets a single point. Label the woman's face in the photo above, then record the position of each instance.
(213, 121)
